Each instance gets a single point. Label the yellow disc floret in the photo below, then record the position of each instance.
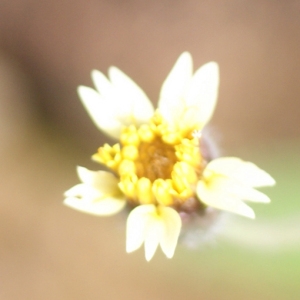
(109, 156)
(155, 164)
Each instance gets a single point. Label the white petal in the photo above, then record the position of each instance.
(247, 193)
(134, 107)
(104, 181)
(189, 118)
(102, 84)
(83, 190)
(101, 112)
(244, 172)
(99, 193)
(234, 188)
(153, 226)
(223, 201)
(102, 207)
(203, 92)
(136, 226)
(171, 230)
(153, 234)
(171, 102)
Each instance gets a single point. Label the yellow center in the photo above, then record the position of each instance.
(155, 163)
(155, 160)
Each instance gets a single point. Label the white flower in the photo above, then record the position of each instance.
(158, 164)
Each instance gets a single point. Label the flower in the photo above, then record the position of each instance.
(158, 170)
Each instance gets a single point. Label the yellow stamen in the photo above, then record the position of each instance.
(171, 138)
(184, 178)
(188, 151)
(130, 152)
(161, 190)
(109, 156)
(126, 167)
(127, 185)
(146, 134)
(130, 136)
(144, 193)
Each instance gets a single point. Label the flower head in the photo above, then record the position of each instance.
(158, 169)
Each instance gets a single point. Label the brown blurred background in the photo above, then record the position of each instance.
(48, 48)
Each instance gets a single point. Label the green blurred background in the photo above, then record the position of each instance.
(48, 251)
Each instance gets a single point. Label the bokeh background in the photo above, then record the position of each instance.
(47, 48)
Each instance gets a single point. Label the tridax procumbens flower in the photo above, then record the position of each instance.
(157, 168)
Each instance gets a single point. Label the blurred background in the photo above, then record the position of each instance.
(48, 48)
